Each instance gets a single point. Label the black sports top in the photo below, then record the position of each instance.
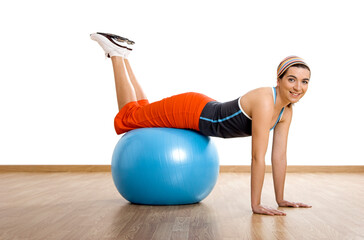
(228, 119)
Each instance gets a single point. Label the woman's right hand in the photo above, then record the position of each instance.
(260, 209)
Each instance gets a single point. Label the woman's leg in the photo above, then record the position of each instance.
(125, 91)
(137, 88)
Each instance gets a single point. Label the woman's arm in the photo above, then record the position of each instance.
(279, 159)
(279, 156)
(261, 118)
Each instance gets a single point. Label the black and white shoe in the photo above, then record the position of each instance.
(112, 44)
(118, 38)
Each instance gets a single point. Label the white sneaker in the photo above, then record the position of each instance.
(113, 45)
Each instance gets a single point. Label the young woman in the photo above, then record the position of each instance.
(253, 114)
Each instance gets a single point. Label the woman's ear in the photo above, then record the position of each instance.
(278, 81)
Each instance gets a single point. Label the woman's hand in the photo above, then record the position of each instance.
(260, 209)
(285, 203)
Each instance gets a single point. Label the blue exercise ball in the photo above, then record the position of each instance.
(164, 166)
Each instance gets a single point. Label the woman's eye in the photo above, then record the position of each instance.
(291, 79)
(305, 82)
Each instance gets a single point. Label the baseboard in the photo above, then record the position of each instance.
(223, 168)
(299, 169)
(55, 168)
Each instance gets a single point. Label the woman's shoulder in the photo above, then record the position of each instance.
(261, 98)
(262, 90)
(259, 94)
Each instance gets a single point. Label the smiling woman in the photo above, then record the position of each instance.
(295, 83)
(285, 68)
(253, 114)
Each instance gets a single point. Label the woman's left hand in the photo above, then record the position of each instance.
(285, 203)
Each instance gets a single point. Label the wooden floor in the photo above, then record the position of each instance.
(88, 206)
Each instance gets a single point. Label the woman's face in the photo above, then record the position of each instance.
(294, 84)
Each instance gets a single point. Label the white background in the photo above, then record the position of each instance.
(57, 91)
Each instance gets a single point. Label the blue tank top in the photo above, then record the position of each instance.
(228, 119)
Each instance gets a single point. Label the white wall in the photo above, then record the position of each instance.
(57, 94)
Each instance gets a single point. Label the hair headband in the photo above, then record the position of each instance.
(289, 62)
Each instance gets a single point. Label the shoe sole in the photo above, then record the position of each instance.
(118, 38)
(96, 37)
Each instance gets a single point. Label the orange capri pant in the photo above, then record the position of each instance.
(178, 111)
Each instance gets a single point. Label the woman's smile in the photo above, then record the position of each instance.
(295, 94)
